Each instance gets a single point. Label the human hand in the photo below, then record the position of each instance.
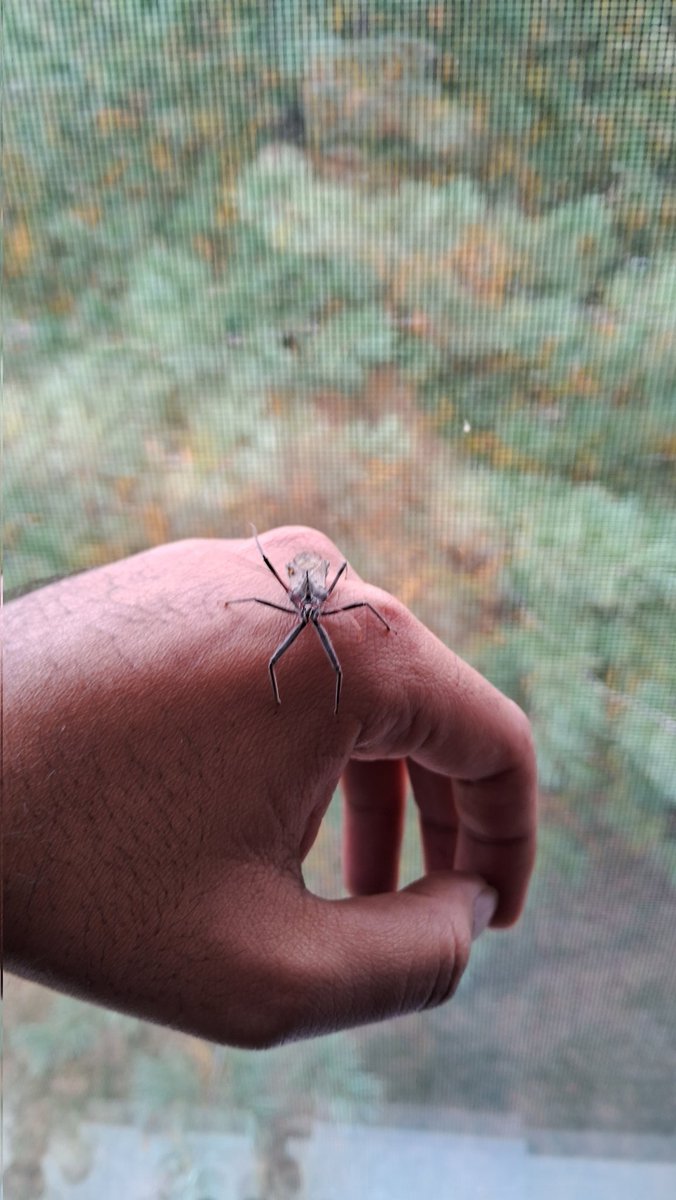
(160, 803)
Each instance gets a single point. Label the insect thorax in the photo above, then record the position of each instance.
(311, 566)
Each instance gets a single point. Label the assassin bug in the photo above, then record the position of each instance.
(308, 594)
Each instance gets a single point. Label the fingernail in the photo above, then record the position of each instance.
(484, 908)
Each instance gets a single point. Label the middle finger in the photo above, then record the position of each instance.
(437, 816)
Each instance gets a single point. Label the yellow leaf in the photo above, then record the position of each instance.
(113, 173)
(537, 79)
(90, 214)
(449, 68)
(160, 157)
(18, 250)
(666, 447)
(155, 524)
(436, 16)
(203, 1056)
(124, 487)
(61, 304)
(203, 247)
(484, 263)
(581, 382)
(668, 211)
(112, 120)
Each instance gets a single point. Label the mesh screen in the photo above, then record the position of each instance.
(405, 272)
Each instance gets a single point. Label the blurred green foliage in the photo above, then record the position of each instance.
(591, 584)
(407, 270)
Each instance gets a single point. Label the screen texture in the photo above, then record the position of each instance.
(404, 273)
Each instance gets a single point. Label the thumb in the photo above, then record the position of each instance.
(373, 957)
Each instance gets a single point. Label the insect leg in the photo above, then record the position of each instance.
(338, 575)
(257, 600)
(332, 657)
(283, 646)
(267, 562)
(331, 612)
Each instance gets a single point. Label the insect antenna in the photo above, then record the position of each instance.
(267, 562)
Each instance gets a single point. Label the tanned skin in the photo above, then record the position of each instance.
(159, 804)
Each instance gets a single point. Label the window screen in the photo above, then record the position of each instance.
(405, 272)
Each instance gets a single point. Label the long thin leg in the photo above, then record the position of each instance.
(338, 575)
(257, 600)
(332, 657)
(331, 612)
(283, 646)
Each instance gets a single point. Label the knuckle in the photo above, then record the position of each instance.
(453, 957)
(524, 744)
(395, 613)
(380, 670)
(296, 537)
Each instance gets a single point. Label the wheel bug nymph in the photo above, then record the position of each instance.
(308, 594)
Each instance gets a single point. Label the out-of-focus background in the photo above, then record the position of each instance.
(405, 272)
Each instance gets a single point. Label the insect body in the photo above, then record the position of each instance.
(308, 594)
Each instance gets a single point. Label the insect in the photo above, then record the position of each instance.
(308, 594)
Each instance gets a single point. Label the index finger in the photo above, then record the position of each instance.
(426, 704)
